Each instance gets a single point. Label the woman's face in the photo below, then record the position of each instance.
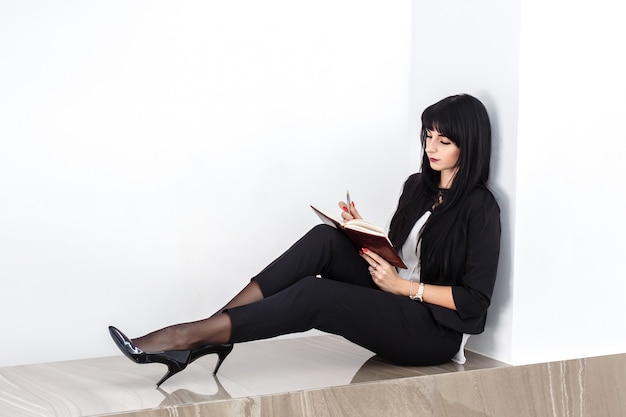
(443, 155)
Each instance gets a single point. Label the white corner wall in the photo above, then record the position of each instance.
(570, 224)
(156, 155)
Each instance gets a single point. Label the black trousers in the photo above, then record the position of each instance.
(345, 301)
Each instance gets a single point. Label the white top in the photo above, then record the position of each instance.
(410, 251)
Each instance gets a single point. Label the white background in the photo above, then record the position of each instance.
(569, 221)
(156, 155)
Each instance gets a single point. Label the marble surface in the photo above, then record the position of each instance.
(112, 385)
(315, 376)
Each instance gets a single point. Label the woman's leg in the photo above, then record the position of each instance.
(214, 330)
(249, 294)
(322, 251)
(394, 327)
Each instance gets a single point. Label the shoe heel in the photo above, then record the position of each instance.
(167, 375)
(221, 355)
(170, 372)
(176, 361)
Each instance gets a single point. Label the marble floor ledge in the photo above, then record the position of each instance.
(254, 375)
(585, 387)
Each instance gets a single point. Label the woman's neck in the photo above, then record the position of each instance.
(446, 179)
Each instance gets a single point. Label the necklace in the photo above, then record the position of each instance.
(438, 199)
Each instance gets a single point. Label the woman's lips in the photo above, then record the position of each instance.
(433, 159)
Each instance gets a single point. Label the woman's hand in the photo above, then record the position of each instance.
(383, 273)
(349, 213)
(386, 277)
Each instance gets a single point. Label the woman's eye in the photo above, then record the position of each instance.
(443, 142)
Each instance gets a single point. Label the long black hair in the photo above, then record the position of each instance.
(463, 119)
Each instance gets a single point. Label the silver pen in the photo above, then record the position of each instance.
(348, 201)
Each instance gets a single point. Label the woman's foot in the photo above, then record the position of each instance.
(215, 330)
(176, 360)
(168, 338)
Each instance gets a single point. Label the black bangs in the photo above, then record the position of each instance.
(444, 118)
(437, 125)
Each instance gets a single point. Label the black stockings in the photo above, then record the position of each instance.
(213, 330)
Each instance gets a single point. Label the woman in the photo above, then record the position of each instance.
(446, 228)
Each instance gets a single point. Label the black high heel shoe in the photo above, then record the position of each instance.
(176, 360)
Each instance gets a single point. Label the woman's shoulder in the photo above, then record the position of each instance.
(482, 197)
(413, 178)
(413, 181)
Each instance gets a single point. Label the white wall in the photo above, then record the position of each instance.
(140, 140)
(570, 225)
(156, 154)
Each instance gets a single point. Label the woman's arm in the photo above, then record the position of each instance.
(440, 295)
(387, 279)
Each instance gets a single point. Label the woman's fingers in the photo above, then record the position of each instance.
(345, 211)
(383, 274)
(375, 261)
(349, 212)
(353, 211)
(376, 258)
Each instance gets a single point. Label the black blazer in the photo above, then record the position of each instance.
(474, 259)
